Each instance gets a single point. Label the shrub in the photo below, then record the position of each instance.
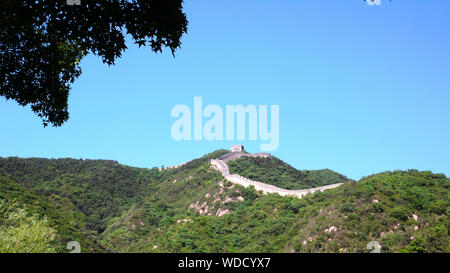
(347, 207)
(22, 233)
(399, 213)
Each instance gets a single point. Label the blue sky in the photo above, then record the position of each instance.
(362, 89)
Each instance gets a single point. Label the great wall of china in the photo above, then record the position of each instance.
(220, 164)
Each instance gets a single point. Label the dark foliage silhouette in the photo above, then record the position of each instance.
(42, 43)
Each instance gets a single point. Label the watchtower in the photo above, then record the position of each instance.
(237, 149)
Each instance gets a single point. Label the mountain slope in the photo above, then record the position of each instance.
(79, 197)
(177, 196)
(107, 206)
(403, 211)
(98, 188)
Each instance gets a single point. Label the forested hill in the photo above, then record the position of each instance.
(98, 188)
(32, 222)
(403, 211)
(276, 172)
(107, 206)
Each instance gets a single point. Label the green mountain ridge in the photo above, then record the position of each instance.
(107, 206)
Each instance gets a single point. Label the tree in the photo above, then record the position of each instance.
(23, 233)
(42, 43)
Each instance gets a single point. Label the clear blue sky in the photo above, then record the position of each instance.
(361, 89)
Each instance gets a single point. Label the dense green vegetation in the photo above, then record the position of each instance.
(378, 208)
(79, 197)
(98, 188)
(324, 177)
(278, 173)
(192, 209)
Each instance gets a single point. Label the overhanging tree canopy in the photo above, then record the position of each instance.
(42, 43)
